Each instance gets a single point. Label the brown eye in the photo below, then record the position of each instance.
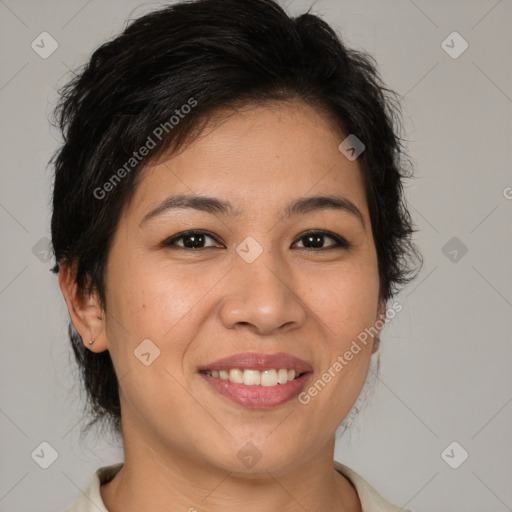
(191, 240)
(317, 240)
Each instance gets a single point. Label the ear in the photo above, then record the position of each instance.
(85, 312)
(380, 321)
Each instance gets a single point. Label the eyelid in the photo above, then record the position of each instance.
(170, 242)
(341, 242)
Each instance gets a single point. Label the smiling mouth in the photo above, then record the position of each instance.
(251, 377)
(257, 381)
(254, 389)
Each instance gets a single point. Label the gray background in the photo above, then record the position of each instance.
(446, 358)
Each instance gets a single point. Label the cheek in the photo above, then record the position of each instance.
(344, 299)
(157, 302)
(345, 304)
(158, 306)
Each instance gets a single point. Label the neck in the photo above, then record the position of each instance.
(153, 478)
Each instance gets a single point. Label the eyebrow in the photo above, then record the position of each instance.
(214, 205)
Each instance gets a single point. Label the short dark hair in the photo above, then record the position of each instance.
(208, 55)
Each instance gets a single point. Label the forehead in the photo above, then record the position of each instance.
(274, 153)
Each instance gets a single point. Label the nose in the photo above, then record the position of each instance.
(261, 297)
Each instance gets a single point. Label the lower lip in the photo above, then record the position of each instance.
(258, 397)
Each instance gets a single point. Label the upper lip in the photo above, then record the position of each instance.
(254, 361)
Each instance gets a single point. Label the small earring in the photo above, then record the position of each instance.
(91, 342)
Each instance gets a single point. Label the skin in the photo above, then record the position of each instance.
(180, 437)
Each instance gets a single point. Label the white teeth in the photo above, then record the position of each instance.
(271, 377)
(282, 376)
(252, 377)
(235, 375)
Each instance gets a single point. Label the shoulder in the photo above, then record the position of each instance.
(90, 499)
(371, 500)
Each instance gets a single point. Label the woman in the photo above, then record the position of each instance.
(229, 228)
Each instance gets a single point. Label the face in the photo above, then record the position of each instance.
(267, 275)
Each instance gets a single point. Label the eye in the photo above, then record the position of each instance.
(316, 239)
(194, 239)
(313, 239)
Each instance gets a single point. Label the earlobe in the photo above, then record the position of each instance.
(85, 312)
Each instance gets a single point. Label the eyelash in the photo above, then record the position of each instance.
(340, 243)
